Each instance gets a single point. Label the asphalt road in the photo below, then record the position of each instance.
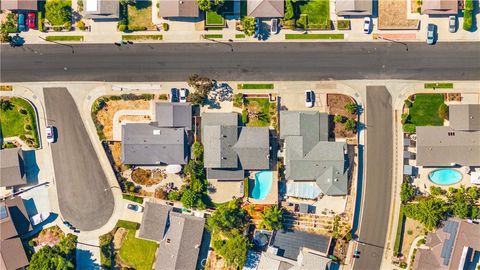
(378, 179)
(79, 177)
(247, 61)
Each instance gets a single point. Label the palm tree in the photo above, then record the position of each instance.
(272, 218)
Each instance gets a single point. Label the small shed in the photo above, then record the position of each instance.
(407, 170)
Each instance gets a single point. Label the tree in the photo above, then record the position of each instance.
(228, 218)
(218, 3)
(234, 250)
(443, 111)
(58, 12)
(272, 218)
(174, 195)
(409, 128)
(429, 212)
(351, 108)
(129, 187)
(407, 191)
(60, 257)
(128, 2)
(238, 100)
(248, 25)
(4, 37)
(351, 125)
(289, 10)
(197, 150)
(204, 5)
(435, 191)
(6, 105)
(462, 209)
(189, 198)
(338, 119)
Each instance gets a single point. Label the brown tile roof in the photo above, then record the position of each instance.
(16, 221)
(178, 8)
(18, 5)
(440, 7)
(265, 8)
(12, 254)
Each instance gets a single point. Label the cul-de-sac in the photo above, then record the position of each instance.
(239, 134)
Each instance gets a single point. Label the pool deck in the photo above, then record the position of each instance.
(272, 197)
(225, 190)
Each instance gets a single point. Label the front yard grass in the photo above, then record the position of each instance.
(140, 16)
(142, 37)
(438, 85)
(207, 36)
(136, 252)
(247, 86)
(64, 38)
(318, 13)
(214, 18)
(424, 110)
(260, 112)
(314, 36)
(19, 120)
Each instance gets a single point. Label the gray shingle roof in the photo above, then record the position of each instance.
(177, 114)
(12, 172)
(290, 242)
(154, 221)
(218, 142)
(253, 148)
(442, 146)
(147, 144)
(464, 116)
(308, 154)
(105, 9)
(353, 7)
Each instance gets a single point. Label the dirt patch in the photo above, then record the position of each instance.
(215, 262)
(116, 154)
(50, 236)
(134, 118)
(336, 106)
(105, 115)
(392, 14)
(118, 237)
(146, 177)
(413, 229)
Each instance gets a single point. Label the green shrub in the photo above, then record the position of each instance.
(343, 24)
(302, 22)
(443, 111)
(409, 128)
(163, 97)
(81, 25)
(40, 21)
(67, 26)
(174, 195)
(165, 26)
(248, 25)
(122, 26)
(435, 191)
(338, 119)
(351, 108)
(408, 103)
(133, 198)
(107, 253)
(289, 10)
(468, 15)
(58, 12)
(238, 100)
(351, 125)
(405, 118)
(147, 97)
(245, 115)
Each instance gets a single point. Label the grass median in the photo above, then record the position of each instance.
(142, 37)
(438, 85)
(207, 36)
(64, 38)
(249, 86)
(314, 36)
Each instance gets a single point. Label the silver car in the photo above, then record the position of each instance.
(452, 24)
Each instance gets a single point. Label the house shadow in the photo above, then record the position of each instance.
(86, 260)
(204, 249)
(31, 167)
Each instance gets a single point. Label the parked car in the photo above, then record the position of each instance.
(174, 95)
(274, 29)
(452, 24)
(309, 98)
(135, 207)
(431, 30)
(21, 22)
(50, 130)
(183, 95)
(39, 218)
(367, 24)
(31, 20)
(257, 27)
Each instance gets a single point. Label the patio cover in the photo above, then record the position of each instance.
(303, 190)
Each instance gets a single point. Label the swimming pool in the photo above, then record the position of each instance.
(263, 184)
(445, 176)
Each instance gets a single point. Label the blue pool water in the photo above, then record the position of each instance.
(445, 176)
(263, 184)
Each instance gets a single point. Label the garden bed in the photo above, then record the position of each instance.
(147, 177)
(19, 119)
(261, 112)
(392, 15)
(336, 106)
(142, 37)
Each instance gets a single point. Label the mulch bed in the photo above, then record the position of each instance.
(336, 105)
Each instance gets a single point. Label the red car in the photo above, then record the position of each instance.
(31, 20)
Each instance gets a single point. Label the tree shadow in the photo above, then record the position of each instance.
(85, 260)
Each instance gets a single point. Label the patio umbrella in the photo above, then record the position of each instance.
(173, 169)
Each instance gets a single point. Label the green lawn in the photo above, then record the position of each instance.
(318, 13)
(142, 37)
(424, 111)
(438, 85)
(207, 36)
(137, 252)
(314, 36)
(239, 35)
(140, 16)
(255, 86)
(13, 123)
(214, 18)
(133, 198)
(64, 38)
(264, 105)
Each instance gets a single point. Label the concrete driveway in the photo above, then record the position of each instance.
(79, 177)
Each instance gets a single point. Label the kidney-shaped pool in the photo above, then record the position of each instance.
(445, 176)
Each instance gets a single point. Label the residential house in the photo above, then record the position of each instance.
(178, 8)
(297, 250)
(455, 245)
(101, 9)
(12, 170)
(19, 5)
(440, 7)
(164, 141)
(353, 7)
(265, 8)
(13, 222)
(313, 165)
(457, 144)
(230, 149)
(179, 236)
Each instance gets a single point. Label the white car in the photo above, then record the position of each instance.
(50, 134)
(274, 29)
(39, 218)
(183, 95)
(309, 98)
(135, 207)
(367, 24)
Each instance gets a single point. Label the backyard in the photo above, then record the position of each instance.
(317, 14)
(424, 110)
(18, 118)
(140, 16)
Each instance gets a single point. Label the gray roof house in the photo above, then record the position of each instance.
(265, 8)
(164, 141)
(12, 171)
(309, 156)
(230, 149)
(353, 7)
(179, 236)
(178, 8)
(459, 143)
(101, 9)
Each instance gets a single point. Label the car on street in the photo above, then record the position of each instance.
(183, 95)
(452, 24)
(309, 98)
(431, 29)
(31, 20)
(39, 218)
(50, 130)
(174, 95)
(274, 29)
(135, 207)
(367, 24)
(21, 22)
